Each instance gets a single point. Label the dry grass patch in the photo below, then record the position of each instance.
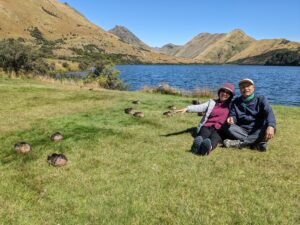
(167, 89)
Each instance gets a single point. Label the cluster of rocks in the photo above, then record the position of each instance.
(131, 111)
(172, 108)
(171, 112)
(22, 147)
(54, 159)
(57, 159)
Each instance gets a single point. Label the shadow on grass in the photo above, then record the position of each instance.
(192, 131)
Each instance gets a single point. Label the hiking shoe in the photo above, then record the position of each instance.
(231, 143)
(261, 146)
(205, 147)
(196, 144)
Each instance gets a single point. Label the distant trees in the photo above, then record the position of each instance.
(16, 57)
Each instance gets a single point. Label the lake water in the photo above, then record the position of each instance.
(281, 85)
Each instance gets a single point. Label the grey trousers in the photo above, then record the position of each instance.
(247, 139)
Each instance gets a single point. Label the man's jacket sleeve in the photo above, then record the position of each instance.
(268, 112)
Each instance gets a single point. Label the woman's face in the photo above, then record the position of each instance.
(224, 95)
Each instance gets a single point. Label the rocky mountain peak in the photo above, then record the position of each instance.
(128, 37)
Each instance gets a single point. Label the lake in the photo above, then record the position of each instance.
(280, 84)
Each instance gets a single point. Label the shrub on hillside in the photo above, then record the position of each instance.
(49, 12)
(16, 57)
(37, 35)
(83, 65)
(91, 53)
(106, 76)
(65, 65)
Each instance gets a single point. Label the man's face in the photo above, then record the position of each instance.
(246, 89)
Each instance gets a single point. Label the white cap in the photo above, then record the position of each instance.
(246, 80)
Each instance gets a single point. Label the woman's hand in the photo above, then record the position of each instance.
(184, 110)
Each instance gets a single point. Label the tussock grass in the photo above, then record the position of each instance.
(167, 89)
(125, 170)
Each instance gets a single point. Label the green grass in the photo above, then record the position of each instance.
(124, 170)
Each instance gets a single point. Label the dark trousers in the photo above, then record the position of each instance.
(212, 134)
(247, 138)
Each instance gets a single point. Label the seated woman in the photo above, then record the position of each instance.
(216, 112)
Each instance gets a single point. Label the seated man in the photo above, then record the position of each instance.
(251, 120)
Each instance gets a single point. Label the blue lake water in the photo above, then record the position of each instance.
(281, 85)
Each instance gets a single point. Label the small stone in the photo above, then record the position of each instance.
(196, 102)
(129, 111)
(168, 113)
(136, 102)
(139, 114)
(56, 159)
(57, 136)
(172, 107)
(22, 147)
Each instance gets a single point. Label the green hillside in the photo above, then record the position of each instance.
(126, 170)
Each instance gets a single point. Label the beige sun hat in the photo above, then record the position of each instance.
(246, 80)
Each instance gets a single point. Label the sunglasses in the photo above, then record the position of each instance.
(244, 85)
(225, 91)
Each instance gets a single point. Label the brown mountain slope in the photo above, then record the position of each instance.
(58, 21)
(128, 37)
(37, 20)
(169, 49)
(238, 48)
(53, 19)
(198, 44)
(263, 51)
(279, 57)
(225, 48)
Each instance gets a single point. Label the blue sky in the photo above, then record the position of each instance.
(158, 22)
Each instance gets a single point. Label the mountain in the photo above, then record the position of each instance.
(69, 31)
(225, 47)
(198, 44)
(269, 52)
(236, 47)
(63, 32)
(128, 37)
(169, 49)
(212, 48)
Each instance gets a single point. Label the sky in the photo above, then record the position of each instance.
(159, 22)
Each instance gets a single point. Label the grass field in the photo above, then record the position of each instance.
(125, 170)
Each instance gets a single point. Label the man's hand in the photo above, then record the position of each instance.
(184, 110)
(230, 120)
(269, 133)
